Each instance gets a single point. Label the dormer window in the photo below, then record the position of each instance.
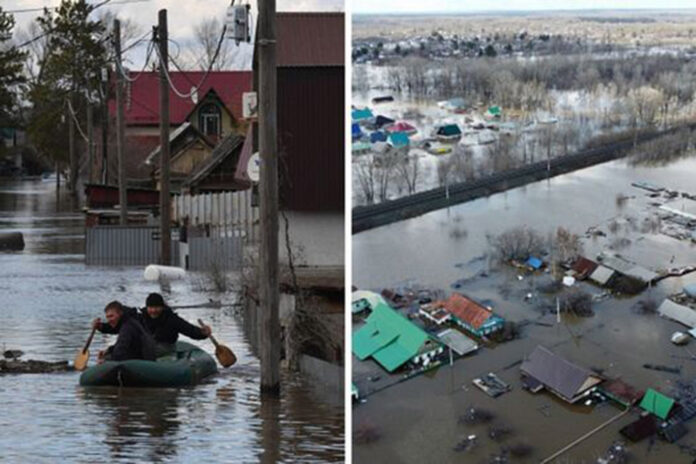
(209, 119)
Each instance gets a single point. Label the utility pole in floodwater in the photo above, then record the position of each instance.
(268, 185)
(165, 229)
(120, 129)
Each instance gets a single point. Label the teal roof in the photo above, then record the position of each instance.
(399, 139)
(657, 403)
(449, 129)
(389, 338)
(495, 110)
(360, 114)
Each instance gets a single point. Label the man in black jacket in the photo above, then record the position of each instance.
(133, 341)
(165, 325)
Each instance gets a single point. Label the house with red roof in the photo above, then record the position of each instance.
(470, 315)
(210, 114)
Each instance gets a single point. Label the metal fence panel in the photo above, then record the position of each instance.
(207, 253)
(125, 246)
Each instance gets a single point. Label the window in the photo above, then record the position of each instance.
(209, 119)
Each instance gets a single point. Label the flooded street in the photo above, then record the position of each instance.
(48, 297)
(418, 419)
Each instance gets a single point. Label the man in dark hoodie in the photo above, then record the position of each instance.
(165, 325)
(133, 341)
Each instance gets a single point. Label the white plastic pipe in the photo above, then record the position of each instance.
(155, 272)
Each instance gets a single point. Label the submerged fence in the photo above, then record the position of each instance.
(231, 212)
(219, 225)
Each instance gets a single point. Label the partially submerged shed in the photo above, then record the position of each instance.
(679, 313)
(563, 378)
(582, 268)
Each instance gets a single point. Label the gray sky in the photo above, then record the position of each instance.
(413, 6)
(183, 15)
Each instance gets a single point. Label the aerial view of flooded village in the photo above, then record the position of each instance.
(160, 301)
(524, 234)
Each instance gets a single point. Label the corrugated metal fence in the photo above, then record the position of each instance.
(126, 245)
(231, 211)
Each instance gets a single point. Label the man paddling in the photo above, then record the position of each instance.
(165, 325)
(133, 341)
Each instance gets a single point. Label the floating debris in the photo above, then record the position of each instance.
(475, 416)
(659, 367)
(466, 444)
(492, 385)
(33, 367)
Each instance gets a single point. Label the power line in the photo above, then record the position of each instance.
(33, 10)
(205, 76)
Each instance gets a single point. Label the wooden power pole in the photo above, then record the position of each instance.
(120, 129)
(269, 336)
(74, 168)
(165, 212)
(90, 141)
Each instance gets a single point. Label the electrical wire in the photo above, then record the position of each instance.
(205, 76)
(33, 10)
(124, 73)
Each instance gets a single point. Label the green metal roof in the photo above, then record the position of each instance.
(657, 403)
(495, 110)
(449, 129)
(360, 114)
(388, 337)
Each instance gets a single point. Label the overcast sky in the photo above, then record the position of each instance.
(183, 15)
(413, 6)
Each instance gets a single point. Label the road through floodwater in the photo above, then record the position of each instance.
(48, 297)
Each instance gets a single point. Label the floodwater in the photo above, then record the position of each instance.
(417, 420)
(48, 297)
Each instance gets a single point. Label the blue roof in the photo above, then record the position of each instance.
(378, 136)
(536, 263)
(361, 114)
(355, 129)
(399, 139)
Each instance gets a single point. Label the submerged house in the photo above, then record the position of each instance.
(398, 140)
(448, 133)
(401, 126)
(361, 115)
(545, 369)
(679, 313)
(582, 268)
(471, 316)
(656, 403)
(455, 105)
(364, 300)
(394, 341)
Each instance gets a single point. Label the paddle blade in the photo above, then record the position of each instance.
(81, 360)
(225, 356)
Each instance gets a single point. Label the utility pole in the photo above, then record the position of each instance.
(105, 128)
(90, 141)
(72, 155)
(120, 139)
(268, 185)
(165, 232)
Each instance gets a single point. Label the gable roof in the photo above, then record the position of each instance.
(177, 135)
(399, 139)
(228, 146)
(389, 338)
(211, 94)
(310, 39)
(449, 129)
(583, 267)
(142, 95)
(656, 403)
(676, 312)
(558, 374)
(360, 114)
(466, 310)
(602, 275)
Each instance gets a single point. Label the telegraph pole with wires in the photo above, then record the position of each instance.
(165, 212)
(268, 189)
(120, 127)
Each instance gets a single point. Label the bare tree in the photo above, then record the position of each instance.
(365, 172)
(205, 44)
(408, 171)
(517, 243)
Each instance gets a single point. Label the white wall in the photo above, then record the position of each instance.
(317, 239)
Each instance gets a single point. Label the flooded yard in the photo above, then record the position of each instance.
(419, 419)
(48, 297)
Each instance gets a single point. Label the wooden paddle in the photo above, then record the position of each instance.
(222, 353)
(82, 356)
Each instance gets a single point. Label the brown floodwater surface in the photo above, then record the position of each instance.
(48, 297)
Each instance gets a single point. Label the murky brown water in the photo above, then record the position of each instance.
(417, 419)
(48, 298)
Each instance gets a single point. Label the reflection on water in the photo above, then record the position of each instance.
(48, 298)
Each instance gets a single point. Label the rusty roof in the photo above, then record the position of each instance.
(466, 310)
(310, 39)
(584, 266)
